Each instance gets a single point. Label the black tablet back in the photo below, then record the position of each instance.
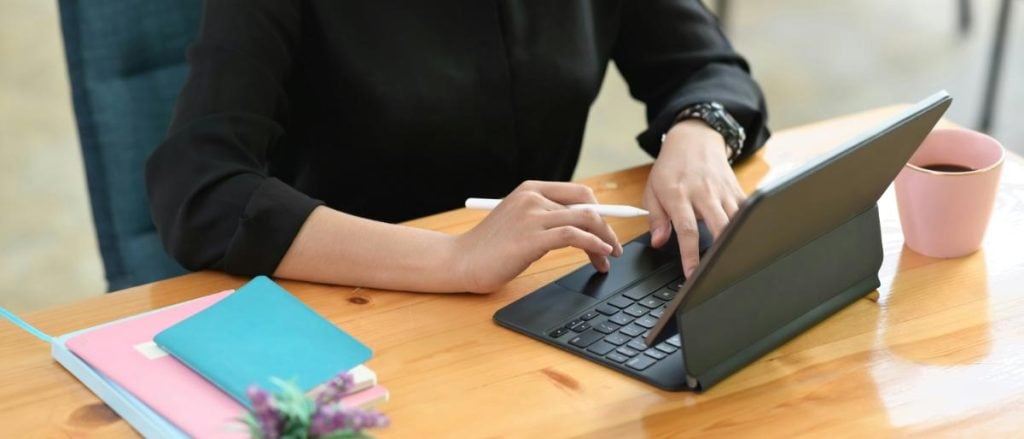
(801, 239)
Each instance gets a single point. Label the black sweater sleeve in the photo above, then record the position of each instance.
(673, 54)
(211, 197)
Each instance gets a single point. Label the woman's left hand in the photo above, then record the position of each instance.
(691, 180)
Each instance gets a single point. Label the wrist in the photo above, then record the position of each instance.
(453, 265)
(694, 136)
(460, 266)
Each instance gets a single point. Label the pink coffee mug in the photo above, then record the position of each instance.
(943, 212)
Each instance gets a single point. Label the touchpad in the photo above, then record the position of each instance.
(637, 261)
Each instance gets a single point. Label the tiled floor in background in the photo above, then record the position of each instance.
(814, 60)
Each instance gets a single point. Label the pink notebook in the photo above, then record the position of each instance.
(124, 351)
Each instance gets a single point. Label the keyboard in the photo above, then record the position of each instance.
(615, 329)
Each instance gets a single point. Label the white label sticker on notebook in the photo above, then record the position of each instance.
(150, 350)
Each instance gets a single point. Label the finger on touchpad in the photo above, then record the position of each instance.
(672, 246)
(638, 260)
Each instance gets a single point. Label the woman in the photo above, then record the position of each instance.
(306, 128)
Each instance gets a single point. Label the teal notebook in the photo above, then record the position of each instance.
(258, 333)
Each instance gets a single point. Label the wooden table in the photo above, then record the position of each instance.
(939, 351)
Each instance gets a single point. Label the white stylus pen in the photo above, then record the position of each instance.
(614, 210)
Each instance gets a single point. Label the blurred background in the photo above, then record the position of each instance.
(813, 59)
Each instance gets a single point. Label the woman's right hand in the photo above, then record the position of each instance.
(528, 223)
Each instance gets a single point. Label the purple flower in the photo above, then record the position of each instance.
(320, 424)
(333, 418)
(293, 414)
(374, 420)
(334, 389)
(265, 411)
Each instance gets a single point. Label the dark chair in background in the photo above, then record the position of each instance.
(126, 62)
(995, 66)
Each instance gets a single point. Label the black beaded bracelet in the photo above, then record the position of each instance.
(715, 116)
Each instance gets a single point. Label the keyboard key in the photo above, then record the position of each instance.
(635, 310)
(558, 332)
(657, 312)
(636, 293)
(640, 362)
(616, 339)
(573, 322)
(645, 321)
(651, 302)
(601, 347)
(675, 284)
(581, 327)
(646, 333)
(656, 354)
(674, 341)
(617, 357)
(607, 309)
(620, 302)
(586, 339)
(632, 330)
(606, 327)
(638, 344)
(622, 319)
(665, 294)
(589, 315)
(627, 351)
(666, 348)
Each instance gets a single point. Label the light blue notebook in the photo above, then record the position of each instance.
(258, 333)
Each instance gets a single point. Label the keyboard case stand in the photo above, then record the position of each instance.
(780, 301)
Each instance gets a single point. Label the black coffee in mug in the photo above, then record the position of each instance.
(946, 167)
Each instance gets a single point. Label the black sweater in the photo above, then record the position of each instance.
(394, 109)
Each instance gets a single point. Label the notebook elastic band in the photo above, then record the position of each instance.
(24, 325)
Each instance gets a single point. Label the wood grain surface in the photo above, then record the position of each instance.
(939, 351)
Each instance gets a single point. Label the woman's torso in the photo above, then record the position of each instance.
(431, 102)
